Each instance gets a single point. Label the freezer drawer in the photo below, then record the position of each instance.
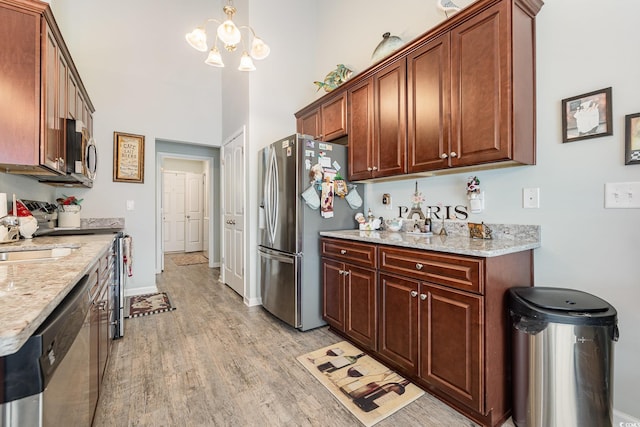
(280, 284)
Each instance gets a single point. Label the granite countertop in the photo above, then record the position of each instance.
(507, 239)
(30, 291)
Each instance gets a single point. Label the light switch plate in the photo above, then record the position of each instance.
(531, 198)
(622, 195)
(130, 205)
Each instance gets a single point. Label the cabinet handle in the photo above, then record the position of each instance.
(414, 294)
(340, 271)
(369, 169)
(346, 273)
(423, 297)
(343, 251)
(375, 168)
(419, 266)
(454, 154)
(443, 156)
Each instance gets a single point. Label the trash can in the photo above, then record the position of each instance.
(562, 357)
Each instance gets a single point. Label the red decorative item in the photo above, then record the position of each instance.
(21, 208)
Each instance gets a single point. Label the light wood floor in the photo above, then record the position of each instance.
(215, 362)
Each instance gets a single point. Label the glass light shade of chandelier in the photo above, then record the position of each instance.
(229, 33)
(231, 36)
(214, 58)
(259, 49)
(197, 39)
(246, 64)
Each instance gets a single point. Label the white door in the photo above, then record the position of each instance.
(173, 218)
(194, 212)
(233, 213)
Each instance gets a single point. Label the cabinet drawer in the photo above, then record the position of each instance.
(450, 270)
(357, 253)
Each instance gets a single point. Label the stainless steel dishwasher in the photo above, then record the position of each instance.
(46, 382)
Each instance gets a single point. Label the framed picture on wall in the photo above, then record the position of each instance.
(128, 157)
(632, 139)
(587, 116)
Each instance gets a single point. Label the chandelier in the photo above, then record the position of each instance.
(231, 35)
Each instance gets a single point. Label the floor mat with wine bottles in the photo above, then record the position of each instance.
(368, 389)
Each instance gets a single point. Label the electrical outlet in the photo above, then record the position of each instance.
(386, 199)
(531, 198)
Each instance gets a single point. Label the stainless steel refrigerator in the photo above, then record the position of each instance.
(288, 244)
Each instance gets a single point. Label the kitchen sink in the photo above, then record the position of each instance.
(32, 255)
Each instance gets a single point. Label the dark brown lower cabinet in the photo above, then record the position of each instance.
(350, 302)
(450, 342)
(441, 318)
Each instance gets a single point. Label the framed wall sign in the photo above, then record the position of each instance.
(587, 116)
(128, 157)
(632, 139)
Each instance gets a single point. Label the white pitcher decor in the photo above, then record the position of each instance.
(69, 212)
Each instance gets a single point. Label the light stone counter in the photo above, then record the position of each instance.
(30, 291)
(507, 239)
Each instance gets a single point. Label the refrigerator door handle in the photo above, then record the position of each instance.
(271, 196)
(276, 257)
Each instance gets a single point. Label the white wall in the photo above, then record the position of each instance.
(143, 78)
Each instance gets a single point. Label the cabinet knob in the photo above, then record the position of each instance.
(375, 168)
(340, 271)
(343, 251)
(419, 266)
(423, 297)
(414, 294)
(454, 154)
(444, 155)
(369, 169)
(345, 272)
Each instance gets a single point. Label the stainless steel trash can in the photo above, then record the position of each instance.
(562, 357)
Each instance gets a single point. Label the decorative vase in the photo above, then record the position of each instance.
(69, 216)
(28, 226)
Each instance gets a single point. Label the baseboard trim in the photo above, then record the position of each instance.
(140, 291)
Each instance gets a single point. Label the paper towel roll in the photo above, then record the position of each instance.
(3, 205)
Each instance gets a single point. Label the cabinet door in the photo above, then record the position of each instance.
(72, 96)
(398, 342)
(333, 118)
(51, 153)
(361, 305)
(428, 110)
(481, 89)
(333, 293)
(309, 124)
(20, 95)
(360, 105)
(451, 343)
(390, 132)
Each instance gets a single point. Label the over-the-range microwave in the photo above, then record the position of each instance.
(81, 157)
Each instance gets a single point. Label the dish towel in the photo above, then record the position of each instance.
(128, 254)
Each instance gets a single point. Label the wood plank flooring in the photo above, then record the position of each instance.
(216, 362)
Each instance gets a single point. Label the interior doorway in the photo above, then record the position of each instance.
(210, 157)
(183, 207)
